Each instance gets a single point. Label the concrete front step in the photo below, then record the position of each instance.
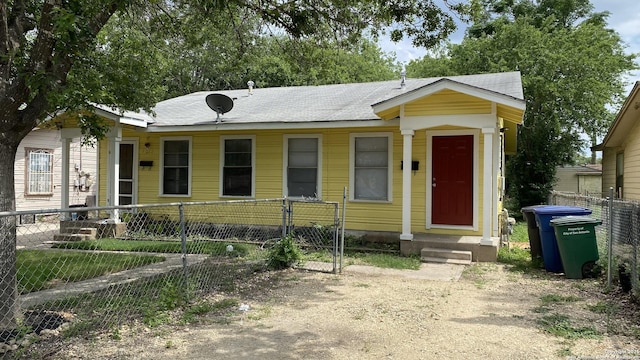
(83, 230)
(446, 256)
(72, 237)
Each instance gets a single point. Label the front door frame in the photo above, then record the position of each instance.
(476, 175)
(134, 185)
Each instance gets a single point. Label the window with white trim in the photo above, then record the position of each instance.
(237, 166)
(39, 172)
(176, 166)
(302, 166)
(371, 156)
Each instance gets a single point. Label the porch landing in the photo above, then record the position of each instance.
(451, 243)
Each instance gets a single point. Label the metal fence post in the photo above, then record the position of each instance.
(344, 209)
(290, 220)
(183, 240)
(336, 227)
(610, 239)
(634, 247)
(284, 217)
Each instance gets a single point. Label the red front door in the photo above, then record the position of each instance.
(452, 180)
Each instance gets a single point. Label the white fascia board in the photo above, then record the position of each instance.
(111, 115)
(134, 122)
(126, 117)
(276, 126)
(471, 121)
(450, 85)
(622, 124)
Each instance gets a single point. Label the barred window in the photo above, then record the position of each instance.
(39, 172)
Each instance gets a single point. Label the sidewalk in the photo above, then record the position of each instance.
(172, 261)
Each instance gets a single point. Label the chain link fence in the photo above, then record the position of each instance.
(89, 272)
(617, 237)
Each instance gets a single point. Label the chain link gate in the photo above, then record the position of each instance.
(315, 226)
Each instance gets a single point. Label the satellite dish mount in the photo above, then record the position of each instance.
(220, 104)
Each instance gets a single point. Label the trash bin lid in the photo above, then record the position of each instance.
(574, 220)
(531, 208)
(559, 209)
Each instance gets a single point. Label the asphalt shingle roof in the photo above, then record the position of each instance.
(313, 103)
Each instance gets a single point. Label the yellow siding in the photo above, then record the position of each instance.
(631, 187)
(510, 114)
(390, 113)
(269, 182)
(447, 102)
(608, 170)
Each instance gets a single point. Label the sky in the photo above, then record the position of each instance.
(624, 19)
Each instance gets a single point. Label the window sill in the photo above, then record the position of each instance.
(371, 201)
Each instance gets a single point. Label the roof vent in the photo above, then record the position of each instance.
(250, 84)
(403, 76)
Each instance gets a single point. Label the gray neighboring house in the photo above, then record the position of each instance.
(37, 175)
(580, 179)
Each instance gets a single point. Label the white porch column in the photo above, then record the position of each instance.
(487, 191)
(407, 146)
(64, 177)
(113, 169)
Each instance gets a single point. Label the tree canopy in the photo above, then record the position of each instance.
(572, 68)
(54, 56)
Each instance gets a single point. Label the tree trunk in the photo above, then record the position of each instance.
(8, 289)
(594, 142)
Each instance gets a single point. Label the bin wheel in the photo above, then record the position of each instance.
(589, 269)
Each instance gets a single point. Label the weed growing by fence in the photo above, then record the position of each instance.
(284, 253)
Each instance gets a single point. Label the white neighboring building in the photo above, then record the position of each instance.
(38, 178)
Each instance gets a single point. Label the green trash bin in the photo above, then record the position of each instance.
(577, 244)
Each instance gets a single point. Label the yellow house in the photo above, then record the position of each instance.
(420, 157)
(621, 150)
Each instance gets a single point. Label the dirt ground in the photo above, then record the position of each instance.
(489, 313)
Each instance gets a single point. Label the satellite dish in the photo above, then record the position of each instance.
(219, 103)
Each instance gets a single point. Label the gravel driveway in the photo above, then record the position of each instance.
(488, 313)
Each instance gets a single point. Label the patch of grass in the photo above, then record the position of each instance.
(260, 313)
(193, 311)
(555, 298)
(44, 269)
(520, 232)
(519, 259)
(384, 260)
(541, 309)
(476, 273)
(604, 307)
(169, 247)
(565, 351)
(560, 325)
(322, 256)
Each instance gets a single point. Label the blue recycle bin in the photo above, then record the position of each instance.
(544, 215)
